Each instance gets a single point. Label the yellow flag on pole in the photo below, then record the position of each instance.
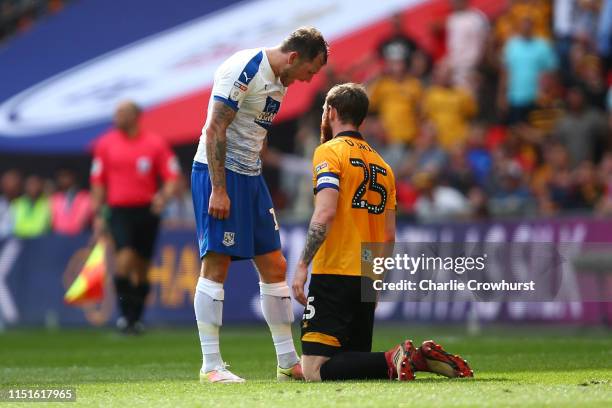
(89, 284)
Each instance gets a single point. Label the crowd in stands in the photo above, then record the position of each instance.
(505, 116)
(510, 117)
(19, 15)
(34, 206)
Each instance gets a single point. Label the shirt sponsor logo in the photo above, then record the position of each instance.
(270, 110)
(238, 91)
(240, 86)
(320, 167)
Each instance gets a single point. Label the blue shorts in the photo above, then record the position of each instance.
(251, 228)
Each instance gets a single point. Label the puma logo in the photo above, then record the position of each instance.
(246, 78)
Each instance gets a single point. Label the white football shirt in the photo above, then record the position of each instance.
(246, 83)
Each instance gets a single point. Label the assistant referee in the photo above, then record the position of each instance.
(127, 165)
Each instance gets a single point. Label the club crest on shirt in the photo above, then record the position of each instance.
(143, 165)
(270, 110)
(228, 238)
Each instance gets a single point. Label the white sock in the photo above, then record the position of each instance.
(276, 307)
(208, 305)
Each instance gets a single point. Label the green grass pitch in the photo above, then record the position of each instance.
(526, 366)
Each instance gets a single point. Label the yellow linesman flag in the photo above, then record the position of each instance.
(89, 284)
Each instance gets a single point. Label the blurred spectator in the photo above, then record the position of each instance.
(585, 15)
(525, 59)
(588, 189)
(449, 108)
(437, 203)
(458, 172)
(562, 18)
(582, 129)
(395, 97)
(580, 19)
(420, 66)
(71, 207)
(20, 15)
(562, 28)
(398, 43)
(552, 182)
(478, 156)
(537, 11)
(604, 32)
(31, 211)
(549, 106)
(426, 156)
(559, 192)
(393, 153)
(590, 77)
(586, 69)
(6, 219)
(179, 210)
(466, 34)
(485, 81)
(520, 148)
(479, 203)
(604, 206)
(11, 185)
(10, 188)
(509, 196)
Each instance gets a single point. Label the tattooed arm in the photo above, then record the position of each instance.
(216, 144)
(317, 232)
(324, 213)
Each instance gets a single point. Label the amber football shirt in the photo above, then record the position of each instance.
(397, 102)
(366, 187)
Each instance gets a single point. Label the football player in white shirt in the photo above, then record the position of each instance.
(233, 208)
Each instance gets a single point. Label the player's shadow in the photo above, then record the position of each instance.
(457, 380)
(429, 380)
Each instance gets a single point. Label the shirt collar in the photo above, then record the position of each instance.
(350, 133)
(267, 71)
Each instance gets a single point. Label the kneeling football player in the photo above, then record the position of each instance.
(354, 203)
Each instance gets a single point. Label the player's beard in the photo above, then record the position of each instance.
(326, 130)
(286, 76)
